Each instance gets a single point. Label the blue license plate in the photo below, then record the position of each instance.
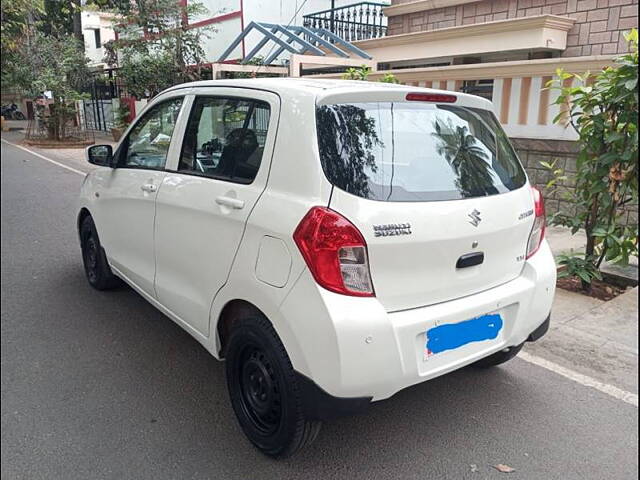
(454, 335)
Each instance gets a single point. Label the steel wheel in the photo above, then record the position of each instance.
(263, 389)
(90, 254)
(260, 395)
(94, 260)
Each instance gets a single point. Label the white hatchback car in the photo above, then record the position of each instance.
(333, 241)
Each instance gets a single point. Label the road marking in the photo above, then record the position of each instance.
(71, 169)
(615, 392)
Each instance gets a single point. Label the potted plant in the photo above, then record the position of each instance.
(121, 120)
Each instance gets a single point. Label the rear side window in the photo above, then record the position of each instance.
(225, 138)
(411, 152)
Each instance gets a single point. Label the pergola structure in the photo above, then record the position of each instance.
(305, 45)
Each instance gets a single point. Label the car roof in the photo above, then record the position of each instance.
(279, 84)
(323, 87)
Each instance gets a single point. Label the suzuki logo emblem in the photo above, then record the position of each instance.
(475, 218)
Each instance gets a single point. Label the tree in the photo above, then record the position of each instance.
(155, 47)
(56, 65)
(62, 17)
(603, 109)
(467, 159)
(17, 18)
(347, 138)
(21, 19)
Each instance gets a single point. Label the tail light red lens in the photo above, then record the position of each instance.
(537, 232)
(431, 97)
(335, 252)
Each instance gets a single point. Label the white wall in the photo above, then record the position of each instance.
(218, 41)
(218, 7)
(282, 12)
(268, 11)
(90, 22)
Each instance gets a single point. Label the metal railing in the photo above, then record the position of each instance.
(358, 21)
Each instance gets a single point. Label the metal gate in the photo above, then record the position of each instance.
(98, 111)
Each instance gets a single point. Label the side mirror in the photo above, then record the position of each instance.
(100, 155)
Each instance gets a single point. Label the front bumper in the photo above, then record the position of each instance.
(352, 348)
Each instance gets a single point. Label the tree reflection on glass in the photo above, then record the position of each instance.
(467, 158)
(346, 138)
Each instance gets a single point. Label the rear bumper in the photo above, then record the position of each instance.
(352, 348)
(319, 405)
(541, 331)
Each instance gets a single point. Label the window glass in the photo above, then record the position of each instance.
(225, 138)
(147, 144)
(401, 151)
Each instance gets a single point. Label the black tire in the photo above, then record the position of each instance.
(19, 116)
(498, 357)
(264, 392)
(96, 267)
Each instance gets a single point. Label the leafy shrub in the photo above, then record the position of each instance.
(603, 109)
(389, 78)
(359, 73)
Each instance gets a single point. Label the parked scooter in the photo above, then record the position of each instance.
(11, 112)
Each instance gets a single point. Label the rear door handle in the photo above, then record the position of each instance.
(470, 260)
(149, 187)
(230, 202)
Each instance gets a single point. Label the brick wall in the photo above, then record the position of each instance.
(598, 28)
(564, 153)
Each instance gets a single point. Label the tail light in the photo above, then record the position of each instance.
(537, 232)
(335, 252)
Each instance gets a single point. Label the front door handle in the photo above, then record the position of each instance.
(230, 202)
(149, 188)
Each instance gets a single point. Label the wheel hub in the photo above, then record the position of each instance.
(259, 390)
(91, 258)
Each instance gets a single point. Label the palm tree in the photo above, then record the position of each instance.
(468, 160)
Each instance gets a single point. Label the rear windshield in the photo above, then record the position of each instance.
(407, 152)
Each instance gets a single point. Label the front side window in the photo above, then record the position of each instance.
(225, 138)
(147, 144)
(405, 151)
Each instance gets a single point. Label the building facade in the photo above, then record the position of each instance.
(97, 29)
(504, 50)
(226, 19)
(229, 17)
(597, 28)
(507, 50)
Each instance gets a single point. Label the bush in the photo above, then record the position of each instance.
(603, 109)
(362, 73)
(121, 115)
(359, 73)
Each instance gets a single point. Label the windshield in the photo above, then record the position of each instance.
(402, 152)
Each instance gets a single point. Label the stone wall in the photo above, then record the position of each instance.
(564, 153)
(598, 28)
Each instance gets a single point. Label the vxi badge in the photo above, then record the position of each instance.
(391, 229)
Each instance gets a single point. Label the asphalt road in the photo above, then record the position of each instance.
(101, 385)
